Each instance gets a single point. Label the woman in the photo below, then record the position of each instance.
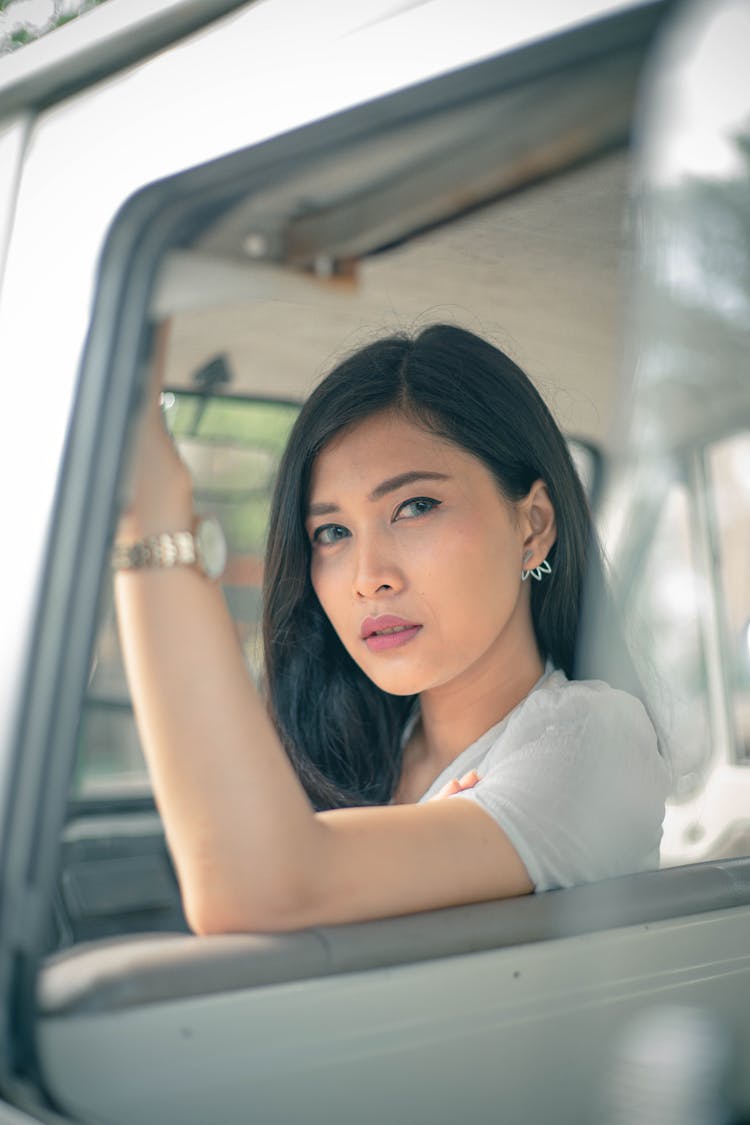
(426, 555)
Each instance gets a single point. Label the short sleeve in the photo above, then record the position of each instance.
(578, 785)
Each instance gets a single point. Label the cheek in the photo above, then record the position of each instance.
(317, 580)
(475, 562)
(477, 577)
(328, 585)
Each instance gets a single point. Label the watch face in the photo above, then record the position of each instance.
(211, 547)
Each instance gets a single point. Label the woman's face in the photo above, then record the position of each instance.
(417, 557)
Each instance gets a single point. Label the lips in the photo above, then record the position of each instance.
(386, 632)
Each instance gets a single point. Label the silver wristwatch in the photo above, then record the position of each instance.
(204, 548)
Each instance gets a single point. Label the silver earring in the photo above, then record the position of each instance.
(537, 571)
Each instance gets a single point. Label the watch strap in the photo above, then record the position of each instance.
(167, 549)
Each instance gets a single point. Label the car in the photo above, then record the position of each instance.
(283, 181)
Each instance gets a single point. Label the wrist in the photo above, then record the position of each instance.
(204, 547)
(164, 509)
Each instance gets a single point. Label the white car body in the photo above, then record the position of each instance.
(268, 173)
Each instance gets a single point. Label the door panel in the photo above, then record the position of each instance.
(378, 1043)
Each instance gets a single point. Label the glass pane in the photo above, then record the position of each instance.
(109, 752)
(232, 447)
(588, 462)
(666, 638)
(729, 463)
(690, 339)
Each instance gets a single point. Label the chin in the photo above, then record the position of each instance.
(402, 691)
(396, 685)
(391, 687)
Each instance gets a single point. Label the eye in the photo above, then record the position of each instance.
(418, 506)
(329, 533)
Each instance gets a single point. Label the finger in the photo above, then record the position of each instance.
(448, 789)
(469, 780)
(161, 343)
(158, 367)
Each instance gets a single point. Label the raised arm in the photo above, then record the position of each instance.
(250, 852)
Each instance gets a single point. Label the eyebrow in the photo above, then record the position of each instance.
(382, 489)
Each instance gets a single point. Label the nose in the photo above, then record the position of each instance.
(376, 571)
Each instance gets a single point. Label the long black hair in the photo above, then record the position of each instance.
(342, 732)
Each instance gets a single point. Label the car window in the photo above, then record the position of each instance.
(667, 638)
(729, 466)
(680, 540)
(232, 447)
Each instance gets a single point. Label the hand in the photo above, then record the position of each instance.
(161, 488)
(468, 781)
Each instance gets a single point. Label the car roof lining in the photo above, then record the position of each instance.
(477, 271)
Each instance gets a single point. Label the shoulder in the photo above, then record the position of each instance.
(584, 716)
(586, 737)
(577, 781)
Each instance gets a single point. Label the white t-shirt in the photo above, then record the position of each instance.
(574, 778)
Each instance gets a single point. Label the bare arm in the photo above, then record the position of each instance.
(250, 852)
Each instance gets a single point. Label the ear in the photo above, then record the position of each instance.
(539, 525)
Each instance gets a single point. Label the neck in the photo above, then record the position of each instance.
(457, 713)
